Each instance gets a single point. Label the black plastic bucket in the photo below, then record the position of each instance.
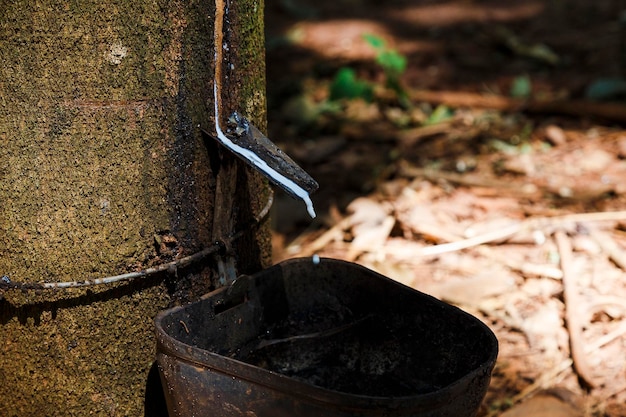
(305, 339)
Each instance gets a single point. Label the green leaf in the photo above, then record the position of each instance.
(606, 89)
(502, 146)
(521, 87)
(375, 42)
(438, 115)
(347, 85)
(392, 62)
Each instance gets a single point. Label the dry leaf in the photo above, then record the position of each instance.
(370, 225)
(543, 405)
(472, 291)
(555, 135)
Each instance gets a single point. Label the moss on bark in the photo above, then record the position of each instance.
(101, 160)
(243, 70)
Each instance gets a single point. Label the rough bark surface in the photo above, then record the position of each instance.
(105, 171)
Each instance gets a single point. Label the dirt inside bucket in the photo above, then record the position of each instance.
(380, 356)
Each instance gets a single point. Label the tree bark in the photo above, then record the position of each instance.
(105, 171)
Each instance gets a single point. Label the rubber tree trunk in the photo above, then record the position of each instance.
(104, 171)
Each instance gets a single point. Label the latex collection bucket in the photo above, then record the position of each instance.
(305, 339)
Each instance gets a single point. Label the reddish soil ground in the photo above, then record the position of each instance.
(511, 208)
